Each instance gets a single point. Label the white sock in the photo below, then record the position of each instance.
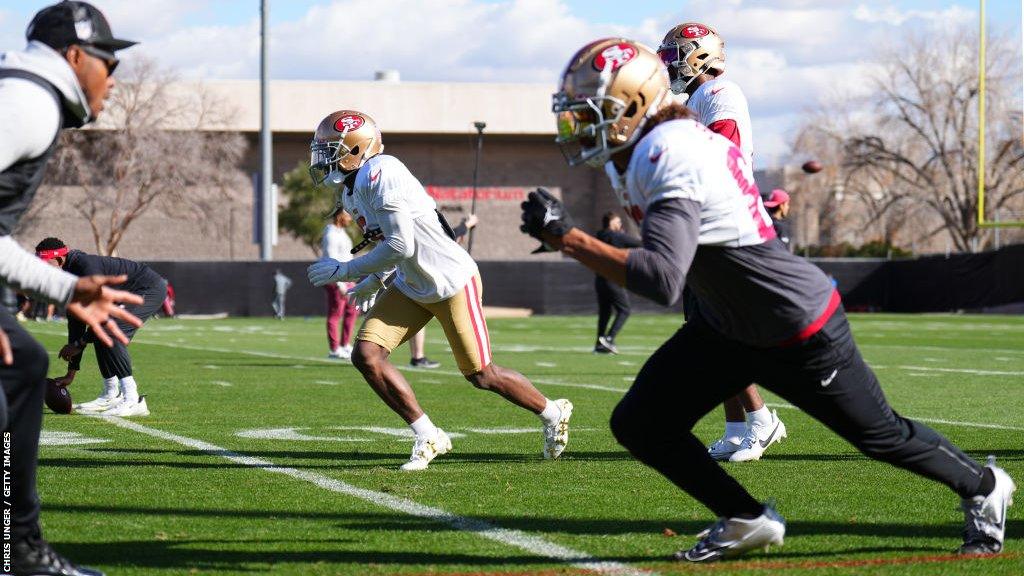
(551, 413)
(129, 389)
(762, 417)
(110, 387)
(735, 431)
(422, 426)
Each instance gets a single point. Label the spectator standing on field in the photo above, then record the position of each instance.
(169, 302)
(281, 285)
(777, 204)
(611, 296)
(337, 244)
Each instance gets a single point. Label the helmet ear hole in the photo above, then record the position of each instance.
(355, 151)
(631, 110)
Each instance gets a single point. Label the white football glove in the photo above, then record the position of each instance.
(364, 293)
(323, 272)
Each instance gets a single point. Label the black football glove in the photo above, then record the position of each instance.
(542, 212)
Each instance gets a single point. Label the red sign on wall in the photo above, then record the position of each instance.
(492, 193)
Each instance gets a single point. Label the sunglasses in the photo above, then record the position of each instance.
(108, 59)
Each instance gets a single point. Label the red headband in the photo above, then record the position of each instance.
(51, 254)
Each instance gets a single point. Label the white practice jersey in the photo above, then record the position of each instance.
(433, 267)
(684, 159)
(718, 100)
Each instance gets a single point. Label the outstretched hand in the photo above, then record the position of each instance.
(546, 219)
(97, 305)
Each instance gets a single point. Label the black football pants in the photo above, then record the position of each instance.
(697, 368)
(21, 417)
(610, 297)
(115, 360)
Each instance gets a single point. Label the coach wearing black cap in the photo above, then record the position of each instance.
(59, 80)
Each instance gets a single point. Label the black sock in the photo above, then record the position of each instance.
(988, 482)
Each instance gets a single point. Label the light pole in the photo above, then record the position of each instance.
(267, 202)
(476, 171)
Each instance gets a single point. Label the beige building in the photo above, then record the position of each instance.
(429, 126)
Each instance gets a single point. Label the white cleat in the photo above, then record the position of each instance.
(985, 516)
(723, 448)
(342, 353)
(758, 439)
(556, 436)
(733, 536)
(426, 449)
(97, 406)
(129, 408)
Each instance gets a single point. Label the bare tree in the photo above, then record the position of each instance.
(915, 155)
(157, 146)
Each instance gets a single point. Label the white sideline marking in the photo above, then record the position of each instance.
(515, 538)
(221, 383)
(928, 420)
(56, 438)
(546, 364)
(963, 371)
(293, 435)
(325, 382)
(967, 424)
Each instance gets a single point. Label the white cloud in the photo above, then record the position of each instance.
(890, 14)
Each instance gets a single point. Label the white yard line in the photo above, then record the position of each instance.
(515, 538)
(787, 406)
(962, 371)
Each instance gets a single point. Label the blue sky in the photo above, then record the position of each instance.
(233, 12)
(788, 55)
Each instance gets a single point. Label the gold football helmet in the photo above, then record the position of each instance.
(689, 50)
(607, 92)
(342, 143)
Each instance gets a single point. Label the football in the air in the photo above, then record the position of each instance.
(58, 398)
(812, 167)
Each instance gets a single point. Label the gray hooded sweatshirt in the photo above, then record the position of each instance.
(30, 120)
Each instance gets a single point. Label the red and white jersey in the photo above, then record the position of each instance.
(720, 105)
(684, 159)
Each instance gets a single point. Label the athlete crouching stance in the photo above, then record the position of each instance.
(762, 314)
(433, 278)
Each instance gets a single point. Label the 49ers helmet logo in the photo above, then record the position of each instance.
(615, 56)
(694, 31)
(348, 123)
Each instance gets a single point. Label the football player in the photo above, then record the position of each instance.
(120, 394)
(695, 57)
(765, 315)
(433, 277)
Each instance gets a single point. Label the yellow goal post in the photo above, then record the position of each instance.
(983, 222)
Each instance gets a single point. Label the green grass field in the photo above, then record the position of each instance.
(262, 456)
